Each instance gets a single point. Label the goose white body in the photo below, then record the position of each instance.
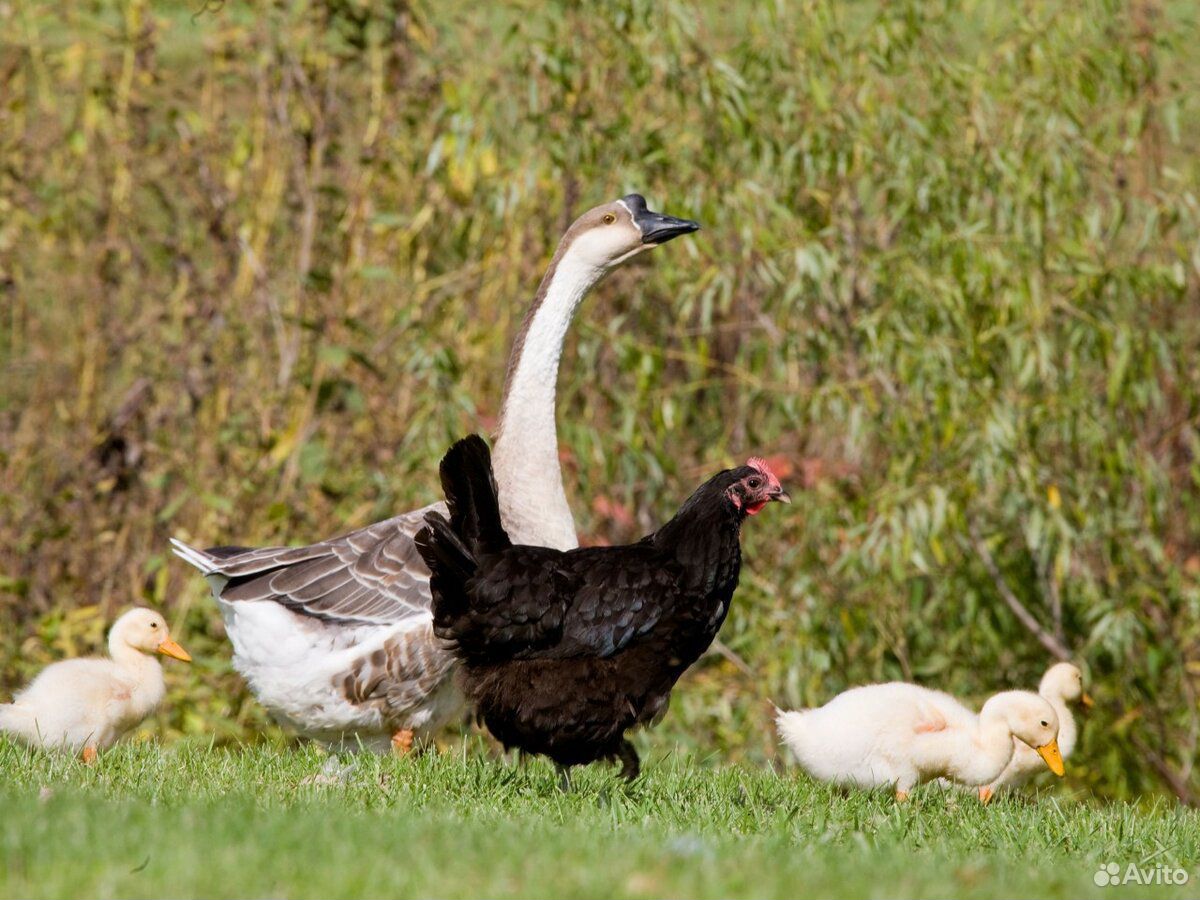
(348, 684)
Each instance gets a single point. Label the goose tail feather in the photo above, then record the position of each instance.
(198, 558)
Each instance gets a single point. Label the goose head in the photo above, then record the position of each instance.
(1031, 719)
(146, 631)
(1064, 681)
(608, 235)
(533, 502)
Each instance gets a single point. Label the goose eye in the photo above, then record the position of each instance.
(609, 218)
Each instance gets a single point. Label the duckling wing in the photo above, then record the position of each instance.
(943, 733)
(929, 719)
(373, 576)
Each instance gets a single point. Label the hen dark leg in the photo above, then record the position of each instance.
(630, 764)
(564, 778)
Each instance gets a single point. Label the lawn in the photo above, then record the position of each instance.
(278, 821)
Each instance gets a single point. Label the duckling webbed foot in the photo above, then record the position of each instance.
(89, 755)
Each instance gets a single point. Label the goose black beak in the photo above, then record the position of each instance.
(656, 228)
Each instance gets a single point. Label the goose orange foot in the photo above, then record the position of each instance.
(402, 741)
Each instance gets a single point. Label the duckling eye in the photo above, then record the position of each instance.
(609, 218)
(1045, 724)
(153, 624)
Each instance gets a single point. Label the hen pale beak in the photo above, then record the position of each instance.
(782, 496)
(173, 650)
(1087, 701)
(1049, 752)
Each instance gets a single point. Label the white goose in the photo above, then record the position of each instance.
(899, 735)
(335, 639)
(1062, 684)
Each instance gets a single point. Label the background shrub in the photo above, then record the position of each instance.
(260, 263)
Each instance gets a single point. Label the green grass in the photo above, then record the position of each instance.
(148, 821)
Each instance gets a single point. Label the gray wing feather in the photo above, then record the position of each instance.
(372, 576)
(400, 675)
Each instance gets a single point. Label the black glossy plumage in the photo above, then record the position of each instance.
(563, 652)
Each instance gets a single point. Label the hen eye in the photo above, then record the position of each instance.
(609, 218)
(755, 482)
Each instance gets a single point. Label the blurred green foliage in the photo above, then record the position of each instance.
(260, 263)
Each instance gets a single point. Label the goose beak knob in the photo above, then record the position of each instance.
(656, 228)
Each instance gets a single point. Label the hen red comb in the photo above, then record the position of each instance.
(757, 462)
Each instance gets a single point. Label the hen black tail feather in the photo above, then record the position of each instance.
(470, 491)
(451, 565)
(451, 548)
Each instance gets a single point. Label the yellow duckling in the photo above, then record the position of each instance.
(900, 734)
(85, 705)
(1062, 684)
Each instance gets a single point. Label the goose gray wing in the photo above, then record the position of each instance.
(373, 576)
(400, 675)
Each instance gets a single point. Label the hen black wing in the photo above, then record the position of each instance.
(534, 603)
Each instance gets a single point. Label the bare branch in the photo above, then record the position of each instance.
(1024, 616)
(1178, 785)
(1051, 590)
(722, 649)
(1189, 752)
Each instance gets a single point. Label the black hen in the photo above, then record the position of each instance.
(563, 652)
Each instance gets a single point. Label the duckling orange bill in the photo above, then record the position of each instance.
(173, 650)
(1049, 752)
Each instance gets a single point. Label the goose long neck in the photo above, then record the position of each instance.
(533, 502)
